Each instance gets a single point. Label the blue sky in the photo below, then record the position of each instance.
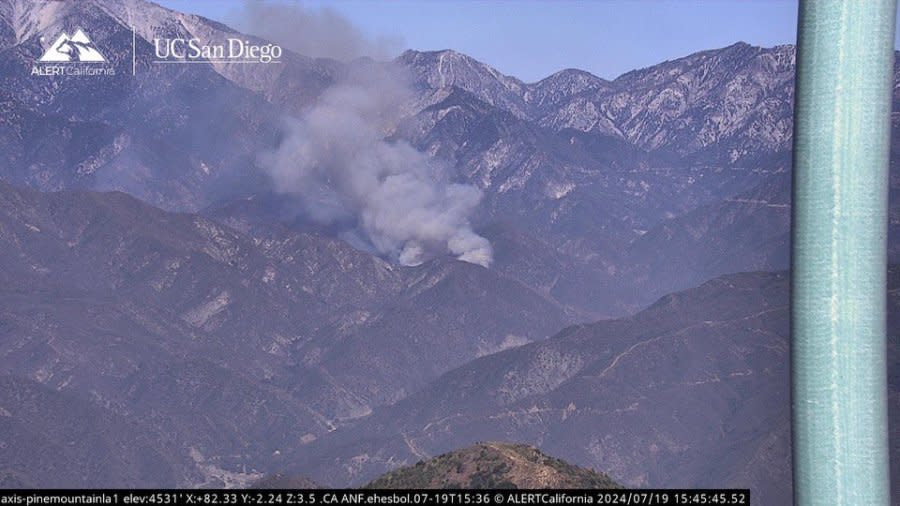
(531, 39)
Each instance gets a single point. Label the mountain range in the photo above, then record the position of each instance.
(158, 278)
(575, 170)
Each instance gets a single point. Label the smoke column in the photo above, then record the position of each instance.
(382, 195)
(336, 160)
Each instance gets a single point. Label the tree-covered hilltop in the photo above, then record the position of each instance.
(494, 465)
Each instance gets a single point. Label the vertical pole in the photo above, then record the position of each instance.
(838, 272)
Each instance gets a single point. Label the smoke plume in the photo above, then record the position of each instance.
(387, 194)
(312, 32)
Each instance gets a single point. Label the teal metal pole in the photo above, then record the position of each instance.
(839, 260)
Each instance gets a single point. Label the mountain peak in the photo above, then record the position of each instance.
(564, 84)
(453, 65)
(573, 73)
(448, 68)
(740, 44)
(436, 53)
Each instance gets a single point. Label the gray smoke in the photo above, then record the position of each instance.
(336, 160)
(312, 32)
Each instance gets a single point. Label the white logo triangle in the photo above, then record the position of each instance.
(78, 47)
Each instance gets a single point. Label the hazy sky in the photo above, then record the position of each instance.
(531, 39)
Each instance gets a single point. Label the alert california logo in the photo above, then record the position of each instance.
(66, 54)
